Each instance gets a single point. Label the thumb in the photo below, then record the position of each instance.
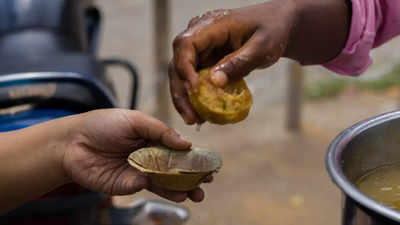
(252, 55)
(154, 130)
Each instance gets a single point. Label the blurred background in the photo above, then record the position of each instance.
(274, 170)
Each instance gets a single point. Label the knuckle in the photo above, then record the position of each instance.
(193, 21)
(135, 117)
(239, 65)
(242, 64)
(244, 59)
(180, 40)
(265, 57)
(270, 57)
(180, 67)
(176, 97)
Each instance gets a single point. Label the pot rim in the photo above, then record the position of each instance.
(333, 158)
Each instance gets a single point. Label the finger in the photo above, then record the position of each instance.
(194, 21)
(185, 60)
(196, 195)
(129, 182)
(199, 40)
(208, 58)
(208, 179)
(219, 78)
(154, 130)
(180, 98)
(240, 63)
(170, 195)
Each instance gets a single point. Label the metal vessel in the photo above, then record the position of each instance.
(357, 150)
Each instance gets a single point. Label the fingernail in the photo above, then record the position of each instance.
(219, 78)
(184, 138)
(188, 121)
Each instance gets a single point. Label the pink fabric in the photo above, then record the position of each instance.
(374, 22)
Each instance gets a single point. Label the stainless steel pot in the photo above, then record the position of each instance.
(357, 150)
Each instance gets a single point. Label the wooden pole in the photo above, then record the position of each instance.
(161, 26)
(294, 97)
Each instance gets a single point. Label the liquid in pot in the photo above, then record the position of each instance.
(382, 185)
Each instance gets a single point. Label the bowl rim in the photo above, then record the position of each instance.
(177, 172)
(140, 167)
(333, 158)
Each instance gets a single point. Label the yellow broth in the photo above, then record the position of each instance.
(382, 185)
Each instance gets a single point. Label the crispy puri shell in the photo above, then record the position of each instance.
(221, 105)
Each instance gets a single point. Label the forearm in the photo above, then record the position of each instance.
(31, 162)
(320, 31)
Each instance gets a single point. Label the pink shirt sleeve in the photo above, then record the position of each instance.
(374, 22)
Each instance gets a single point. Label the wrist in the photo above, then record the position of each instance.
(51, 140)
(55, 146)
(66, 140)
(294, 12)
(320, 30)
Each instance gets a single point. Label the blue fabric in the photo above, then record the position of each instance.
(29, 118)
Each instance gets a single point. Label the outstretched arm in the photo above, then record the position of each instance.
(339, 34)
(236, 41)
(30, 162)
(90, 149)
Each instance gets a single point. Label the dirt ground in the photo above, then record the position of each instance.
(271, 176)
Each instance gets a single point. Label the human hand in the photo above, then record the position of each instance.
(99, 145)
(234, 42)
(237, 41)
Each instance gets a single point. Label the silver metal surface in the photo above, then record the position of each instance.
(152, 212)
(356, 151)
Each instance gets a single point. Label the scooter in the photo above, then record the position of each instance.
(49, 69)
